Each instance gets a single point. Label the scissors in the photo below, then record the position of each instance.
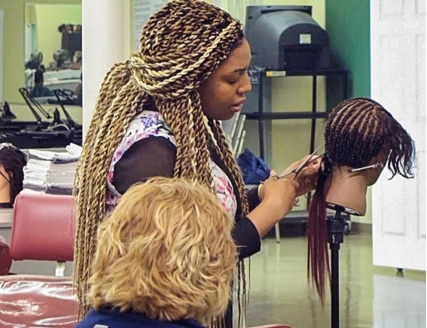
(301, 166)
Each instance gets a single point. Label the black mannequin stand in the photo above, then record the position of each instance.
(336, 227)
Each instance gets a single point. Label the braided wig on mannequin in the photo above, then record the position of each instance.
(358, 131)
(180, 46)
(13, 161)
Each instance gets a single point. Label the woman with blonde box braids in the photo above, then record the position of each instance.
(159, 113)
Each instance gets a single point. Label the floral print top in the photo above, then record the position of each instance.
(151, 124)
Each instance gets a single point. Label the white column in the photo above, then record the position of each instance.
(103, 45)
(1, 53)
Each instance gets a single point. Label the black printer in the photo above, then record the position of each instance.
(286, 38)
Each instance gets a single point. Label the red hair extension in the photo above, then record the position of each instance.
(318, 257)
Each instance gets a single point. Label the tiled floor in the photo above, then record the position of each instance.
(369, 296)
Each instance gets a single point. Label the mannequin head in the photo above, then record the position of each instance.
(12, 162)
(359, 129)
(361, 139)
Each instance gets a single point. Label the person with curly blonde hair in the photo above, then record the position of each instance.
(159, 114)
(165, 257)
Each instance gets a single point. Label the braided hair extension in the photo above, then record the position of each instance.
(227, 156)
(180, 46)
(357, 130)
(318, 256)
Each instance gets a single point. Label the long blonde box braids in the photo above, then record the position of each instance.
(176, 69)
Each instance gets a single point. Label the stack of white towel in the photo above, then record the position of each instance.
(51, 172)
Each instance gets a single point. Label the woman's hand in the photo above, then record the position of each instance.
(307, 177)
(277, 199)
(280, 193)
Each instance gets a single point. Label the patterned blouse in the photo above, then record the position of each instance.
(151, 124)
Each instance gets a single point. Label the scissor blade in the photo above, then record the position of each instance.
(305, 163)
(302, 165)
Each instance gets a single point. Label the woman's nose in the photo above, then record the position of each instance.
(246, 85)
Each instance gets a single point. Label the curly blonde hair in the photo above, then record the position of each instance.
(181, 45)
(165, 251)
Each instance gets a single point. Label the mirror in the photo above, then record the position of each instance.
(53, 45)
(32, 39)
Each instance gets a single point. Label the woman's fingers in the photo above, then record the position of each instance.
(307, 178)
(273, 174)
(313, 163)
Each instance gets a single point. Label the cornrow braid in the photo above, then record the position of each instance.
(401, 145)
(180, 46)
(357, 130)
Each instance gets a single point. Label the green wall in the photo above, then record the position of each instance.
(13, 44)
(348, 26)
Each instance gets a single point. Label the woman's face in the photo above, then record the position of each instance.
(223, 93)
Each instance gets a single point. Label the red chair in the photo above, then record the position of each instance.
(43, 229)
(5, 258)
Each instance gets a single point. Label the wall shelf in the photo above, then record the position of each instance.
(261, 115)
(300, 217)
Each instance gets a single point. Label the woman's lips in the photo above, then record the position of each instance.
(237, 107)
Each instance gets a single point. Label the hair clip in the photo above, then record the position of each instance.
(373, 166)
